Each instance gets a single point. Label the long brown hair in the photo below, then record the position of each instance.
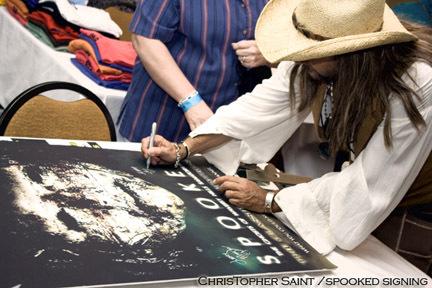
(365, 78)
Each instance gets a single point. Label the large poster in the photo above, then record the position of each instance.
(74, 216)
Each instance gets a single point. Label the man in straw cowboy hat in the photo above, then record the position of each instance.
(367, 79)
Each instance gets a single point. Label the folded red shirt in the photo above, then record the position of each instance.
(112, 51)
(97, 69)
(60, 35)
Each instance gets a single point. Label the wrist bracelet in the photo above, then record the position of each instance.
(269, 201)
(187, 149)
(177, 151)
(187, 98)
(190, 101)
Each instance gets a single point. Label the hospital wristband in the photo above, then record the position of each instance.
(190, 101)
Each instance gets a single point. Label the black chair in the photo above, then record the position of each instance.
(34, 115)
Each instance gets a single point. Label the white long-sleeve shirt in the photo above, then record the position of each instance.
(340, 208)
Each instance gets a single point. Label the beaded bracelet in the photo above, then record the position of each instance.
(177, 151)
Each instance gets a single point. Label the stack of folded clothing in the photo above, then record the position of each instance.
(83, 16)
(106, 61)
(60, 35)
(61, 14)
(42, 24)
(60, 25)
(19, 10)
(57, 22)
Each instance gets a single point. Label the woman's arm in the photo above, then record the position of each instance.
(161, 66)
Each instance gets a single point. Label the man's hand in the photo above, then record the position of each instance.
(163, 152)
(242, 192)
(248, 54)
(198, 114)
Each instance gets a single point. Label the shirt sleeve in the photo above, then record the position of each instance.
(260, 121)
(342, 209)
(156, 19)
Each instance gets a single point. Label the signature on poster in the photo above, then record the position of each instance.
(236, 255)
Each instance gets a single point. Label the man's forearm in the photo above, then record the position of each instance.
(204, 143)
(161, 66)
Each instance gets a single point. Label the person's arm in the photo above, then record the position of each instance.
(259, 122)
(245, 193)
(163, 69)
(256, 118)
(154, 23)
(161, 66)
(239, 191)
(164, 152)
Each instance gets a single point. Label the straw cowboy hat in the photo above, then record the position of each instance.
(300, 30)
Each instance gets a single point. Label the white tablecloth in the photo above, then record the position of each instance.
(25, 61)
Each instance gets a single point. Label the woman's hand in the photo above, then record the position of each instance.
(249, 55)
(242, 192)
(163, 152)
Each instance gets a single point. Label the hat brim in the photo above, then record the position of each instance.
(279, 40)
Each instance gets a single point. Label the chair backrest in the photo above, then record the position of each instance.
(33, 115)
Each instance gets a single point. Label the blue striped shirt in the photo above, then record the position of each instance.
(198, 34)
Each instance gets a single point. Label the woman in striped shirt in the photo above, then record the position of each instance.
(192, 53)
